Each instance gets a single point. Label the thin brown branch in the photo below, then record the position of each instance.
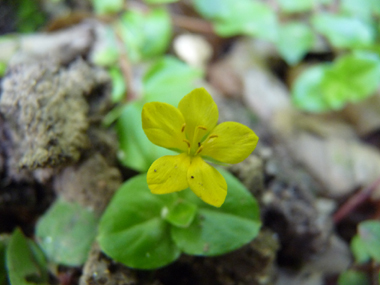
(126, 69)
(357, 199)
(192, 24)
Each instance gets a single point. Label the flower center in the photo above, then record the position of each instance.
(196, 146)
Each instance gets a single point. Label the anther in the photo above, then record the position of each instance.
(183, 127)
(202, 127)
(211, 137)
(199, 149)
(188, 143)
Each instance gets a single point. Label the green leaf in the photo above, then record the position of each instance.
(219, 230)
(294, 41)
(369, 233)
(180, 214)
(353, 77)
(66, 231)
(29, 16)
(108, 53)
(3, 68)
(359, 250)
(136, 151)
(213, 9)
(112, 116)
(246, 17)
(353, 277)
(360, 8)
(145, 35)
(342, 31)
(131, 230)
(108, 6)
(25, 262)
(4, 239)
(169, 80)
(119, 87)
(296, 6)
(106, 57)
(307, 93)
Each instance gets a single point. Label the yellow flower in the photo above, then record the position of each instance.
(192, 130)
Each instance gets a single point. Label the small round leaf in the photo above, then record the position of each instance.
(131, 230)
(66, 231)
(215, 231)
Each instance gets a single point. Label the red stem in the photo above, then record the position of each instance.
(357, 199)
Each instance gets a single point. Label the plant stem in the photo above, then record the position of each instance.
(357, 199)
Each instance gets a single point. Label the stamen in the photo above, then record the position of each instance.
(183, 127)
(196, 134)
(188, 143)
(199, 150)
(211, 138)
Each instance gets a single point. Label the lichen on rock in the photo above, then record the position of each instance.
(45, 106)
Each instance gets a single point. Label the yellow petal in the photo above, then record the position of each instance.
(168, 174)
(229, 142)
(206, 182)
(164, 124)
(200, 113)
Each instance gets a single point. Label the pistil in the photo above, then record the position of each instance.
(196, 139)
(188, 145)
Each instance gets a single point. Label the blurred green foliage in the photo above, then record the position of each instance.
(295, 27)
(365, 246)
(29, 16)
(25, 262)
(3, 271)
(369, 236)
(294, 41)
(296, 6)
(3, 68)
(344, 31)
(330, 86)
(353, 277)
(145, 35)
(119, 86)
(352, 28)
(243, 17)
(107, 7)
